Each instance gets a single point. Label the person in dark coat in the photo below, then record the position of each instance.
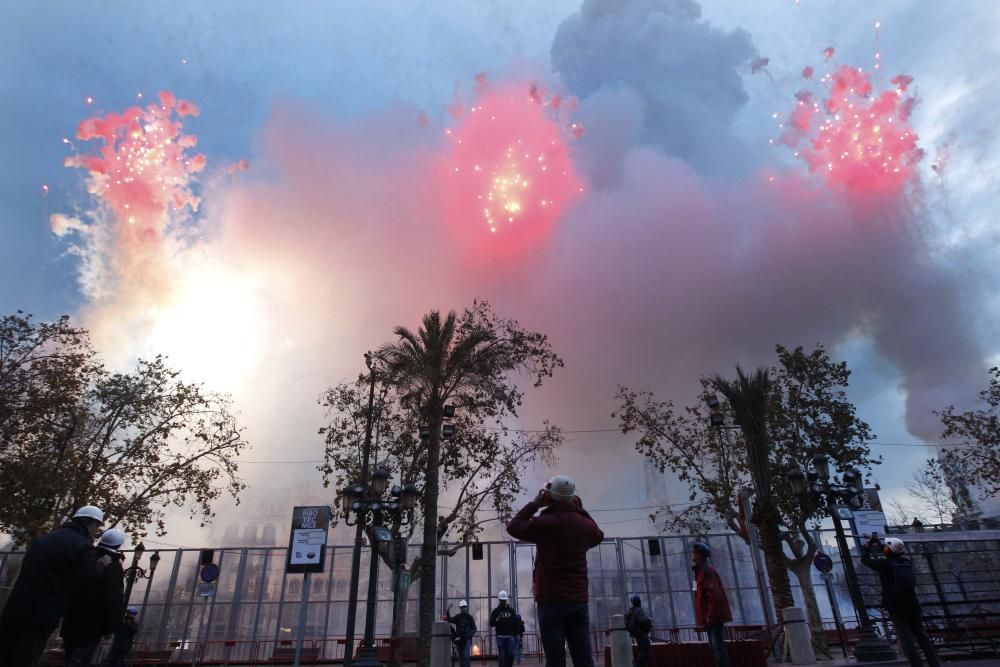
(899, 597)
(465, 630)
(53, 565)
(639, 626)
(95, 609)
(711, 606)
(563, 533)
(504, 623)
(125, 634)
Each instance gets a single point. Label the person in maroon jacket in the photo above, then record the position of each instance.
(563, 533)
(711, 606)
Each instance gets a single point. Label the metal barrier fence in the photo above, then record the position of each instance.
(256, 606)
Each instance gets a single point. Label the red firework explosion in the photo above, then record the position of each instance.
(143, 170)
(508, 174)
(858, 138)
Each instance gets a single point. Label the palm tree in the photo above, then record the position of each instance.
(463, 361)
(748, 397)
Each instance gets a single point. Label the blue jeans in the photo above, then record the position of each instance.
(562, 623)
(717, 642)
(464, 651)
(506, 650)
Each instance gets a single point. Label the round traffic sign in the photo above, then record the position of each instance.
(209, 573)
(822, 562)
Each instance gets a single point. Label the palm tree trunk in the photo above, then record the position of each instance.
(803, 572)
(774, 561)
(428, 549)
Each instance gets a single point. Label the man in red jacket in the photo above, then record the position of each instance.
(711, 606)
(563, 533)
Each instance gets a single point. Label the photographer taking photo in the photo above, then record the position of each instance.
(899, 597)
(563, 533)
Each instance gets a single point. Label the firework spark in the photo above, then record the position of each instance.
(856, 136)
(508, 174)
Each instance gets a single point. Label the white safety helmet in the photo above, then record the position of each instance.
(113, 539)
(895, 545)
(502, 595)
(463, 603)
(90, 512)
(561, 488)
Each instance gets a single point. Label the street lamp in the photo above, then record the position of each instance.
(814, 487)
(369, 506)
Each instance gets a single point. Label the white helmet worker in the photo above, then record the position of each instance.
(561, 487)
(502, 595)
(90, 512)
(895, 545)
(463, 604)
(112, 539)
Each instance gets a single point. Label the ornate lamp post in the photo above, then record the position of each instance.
(841, 496)
(369, 507)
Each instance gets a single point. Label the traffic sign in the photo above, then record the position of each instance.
(822, 562)
(206, 590)
(209, 573)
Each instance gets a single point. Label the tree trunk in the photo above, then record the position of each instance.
(774, 561)
(428, 549)
(803, 572)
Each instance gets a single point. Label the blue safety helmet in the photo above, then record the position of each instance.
(132, 611)
(636, 599)
(702, 548)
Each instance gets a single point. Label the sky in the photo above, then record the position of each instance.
(685, 224)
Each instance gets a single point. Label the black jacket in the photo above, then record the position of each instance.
(124, 636)
(465, 625)
(54, 564)
(637, 622)
(504, 620)
(96, 607)
(894, 602)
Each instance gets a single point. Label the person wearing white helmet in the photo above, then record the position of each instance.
(504, 623)
(95, 608)
(899, 597)
(53, 566)
(563, 533)
(464, 630)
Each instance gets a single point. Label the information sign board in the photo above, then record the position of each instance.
(307, 542)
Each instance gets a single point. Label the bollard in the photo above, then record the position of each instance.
(441, 644)
(621, 643)
(797, 636)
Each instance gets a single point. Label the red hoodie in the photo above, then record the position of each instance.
(563, 533)
(711, 606)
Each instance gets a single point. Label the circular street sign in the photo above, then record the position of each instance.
(209, 573)
(822, 562)
(382, 534)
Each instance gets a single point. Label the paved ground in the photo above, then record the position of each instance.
(992, 662)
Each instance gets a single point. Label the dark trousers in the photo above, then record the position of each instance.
(562, 623)
(717, 642)
(910, 632)
(20, 645)
(80, 654)
(643, 646)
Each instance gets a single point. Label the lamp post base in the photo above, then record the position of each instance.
(367, 658)
(872, 648)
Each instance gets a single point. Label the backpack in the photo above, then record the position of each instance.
(904, 580)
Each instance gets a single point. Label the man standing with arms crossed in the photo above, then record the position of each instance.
(563, 533)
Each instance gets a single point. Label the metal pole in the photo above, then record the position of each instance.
(870, 647)
(367, 656)
(201, 631)
(168, 602)
(303, 609)
(836, 611)
(359, 535)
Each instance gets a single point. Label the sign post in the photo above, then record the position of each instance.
(306, 555)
